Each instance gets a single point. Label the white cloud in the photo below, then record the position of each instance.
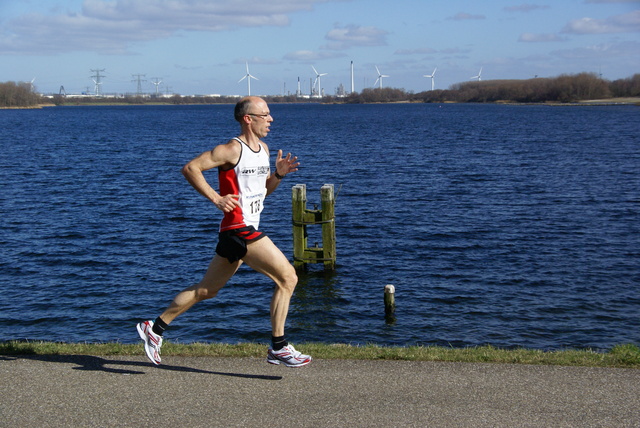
(462, 16)
(455, 51)
(196, 15)
(112, 26)
(307, 55)
(352, 35)
(625, 23)
(626, 49)
(540, 38)
(188, 68)
(36, 33)
(419, 51)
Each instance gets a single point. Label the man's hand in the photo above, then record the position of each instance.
(227, 203)
(286, 165)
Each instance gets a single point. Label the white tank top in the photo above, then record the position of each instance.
(248, 178)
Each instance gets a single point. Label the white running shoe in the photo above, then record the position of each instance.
(152, 341)
(288, 356)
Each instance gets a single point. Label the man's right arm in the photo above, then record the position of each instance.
(224, 154)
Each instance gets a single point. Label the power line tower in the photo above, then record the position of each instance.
(138, 78)
(157, 81)
(97, 80)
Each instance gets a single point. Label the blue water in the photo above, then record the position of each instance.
(504, 225)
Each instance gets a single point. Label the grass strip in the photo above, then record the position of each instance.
(621, 356)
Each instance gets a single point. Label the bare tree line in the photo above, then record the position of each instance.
(21, 94)
(561, 89)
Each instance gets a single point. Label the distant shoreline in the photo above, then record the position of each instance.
(597, 102)
(613, 101)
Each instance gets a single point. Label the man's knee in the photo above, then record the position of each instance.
(289, 280)
(204, 293)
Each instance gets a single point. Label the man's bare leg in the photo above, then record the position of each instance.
(264, 257)
(219, 272)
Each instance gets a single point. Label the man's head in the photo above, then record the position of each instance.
(249, 105)
(253, 114)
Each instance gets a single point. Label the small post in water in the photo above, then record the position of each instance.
(389, 300)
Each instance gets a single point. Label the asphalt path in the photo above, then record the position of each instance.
(90, 391)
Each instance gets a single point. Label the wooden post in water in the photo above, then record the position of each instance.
(303, 217)
(299, 206)
(328, 226)
(389, 300)
(389, 304)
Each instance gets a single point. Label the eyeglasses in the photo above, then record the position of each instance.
(264, 116)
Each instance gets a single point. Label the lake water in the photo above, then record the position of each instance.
(504, 225)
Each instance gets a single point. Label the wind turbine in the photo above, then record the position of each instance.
(478, 77)
(432, 75)
(248, 76)
(98, 86)
(318, 80)
(380, 76)
(157, 81)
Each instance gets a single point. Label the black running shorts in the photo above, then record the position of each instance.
(232, 244)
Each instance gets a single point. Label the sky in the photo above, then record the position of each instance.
(203, 47)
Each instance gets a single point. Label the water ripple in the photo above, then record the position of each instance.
(514, 226)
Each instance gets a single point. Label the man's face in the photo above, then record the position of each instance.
(260, 119)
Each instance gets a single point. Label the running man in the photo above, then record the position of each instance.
(245, 179)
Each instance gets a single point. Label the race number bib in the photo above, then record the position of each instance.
(252, 205)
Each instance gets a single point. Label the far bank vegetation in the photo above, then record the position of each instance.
(21, 94)
(565, 88)
(561, 89)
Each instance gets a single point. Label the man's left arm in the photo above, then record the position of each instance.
(283, 167)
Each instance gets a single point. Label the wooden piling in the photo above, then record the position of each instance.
(328, 226)
(389, 299)
(299, 206)
(303, 217)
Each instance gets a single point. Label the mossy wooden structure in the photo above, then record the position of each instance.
(324, 217)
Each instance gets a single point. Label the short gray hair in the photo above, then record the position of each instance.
(242, 108)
